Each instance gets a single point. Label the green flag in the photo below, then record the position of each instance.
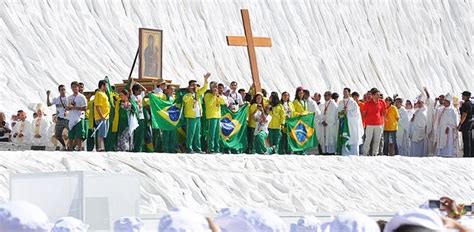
(343, 134)
(233, 129)
(301, 133)
(165, 115)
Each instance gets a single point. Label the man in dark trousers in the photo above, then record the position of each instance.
(465, 125)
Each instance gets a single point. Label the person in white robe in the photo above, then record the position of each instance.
(403, 128)
(418, 129)
(21, 133)
(431, 107)
(446, 134)
(354, 119)
(40, 128)
(327, 125)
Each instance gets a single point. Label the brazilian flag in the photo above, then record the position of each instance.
(233, 128)
(343, 135)
(165, 115)
(301, 133)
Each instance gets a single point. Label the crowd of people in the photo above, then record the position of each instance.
(377, 124)
(22, 216)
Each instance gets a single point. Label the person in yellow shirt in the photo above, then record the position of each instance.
(192, 113)
(300, 104)
(213, 102)
(101, 115)
(390, 128)
(289, 110)
(252, 122)
(277, 122)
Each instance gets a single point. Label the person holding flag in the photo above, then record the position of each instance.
(213, 102)
(138, 95)
(125, 121)
(193, 112)
(350, 125)
(300, 104)
(263, 118)
(289, 110)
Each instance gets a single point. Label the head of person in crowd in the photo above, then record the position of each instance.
(285, 97)
(183, 219)
(388, 101)
(226, 91)
(81, 87)
(162, 85)
(415, 220)
(355, 96)
(299, 94)
(441, 99)
(346, 93)
(408, 105)
(375, 94)
(14, 118)
(466, 95)
(248, 97)
(102, 85)
(351, 221)
(128, 224)
(2, 117)
(335, 97)
(242, 93)
(21, 116)
(317, 97)
(327, 95)
(169, 90)
(192, 86)
(21, 216)
(306, 95)
(250, 220)
(69, 224)
(398, 102)
(366, 97)
(420, 101)
(221, 88)
(274, 100)
(39, 110)
(264, 93)
(447, 100)
(212, 85)
(257, 99)
(136, 90)
(124, 95)
(233, 86)
(75, 87)
(62, 90)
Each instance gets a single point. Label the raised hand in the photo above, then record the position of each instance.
(206, 76)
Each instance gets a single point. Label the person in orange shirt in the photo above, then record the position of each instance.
(390, 128)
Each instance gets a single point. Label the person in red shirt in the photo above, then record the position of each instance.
(374, 116)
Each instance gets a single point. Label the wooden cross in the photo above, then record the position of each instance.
(250, 42)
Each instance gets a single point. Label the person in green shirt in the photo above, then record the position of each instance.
(192, 103)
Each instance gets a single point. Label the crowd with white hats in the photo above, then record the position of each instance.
(22, 216)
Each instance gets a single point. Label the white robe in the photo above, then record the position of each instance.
(314, 108)
(327, 135)
(354, 119)
(403, 131)
(418, 133)
(42, 131)
(430, 119)
(22, 128)
(446, 143)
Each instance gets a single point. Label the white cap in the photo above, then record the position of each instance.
(416, 217)
(306, 224)
(39, 106)
(22, 216)
(69, 224)
(230, 220)
(449, 97)
(183, 220)
(354, 222)
(128, 224)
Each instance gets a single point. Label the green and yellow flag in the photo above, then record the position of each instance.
(233, 128)
(165, 115)
(343, 135)
(301, 133)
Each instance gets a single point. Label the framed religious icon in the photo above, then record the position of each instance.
(150, 51)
